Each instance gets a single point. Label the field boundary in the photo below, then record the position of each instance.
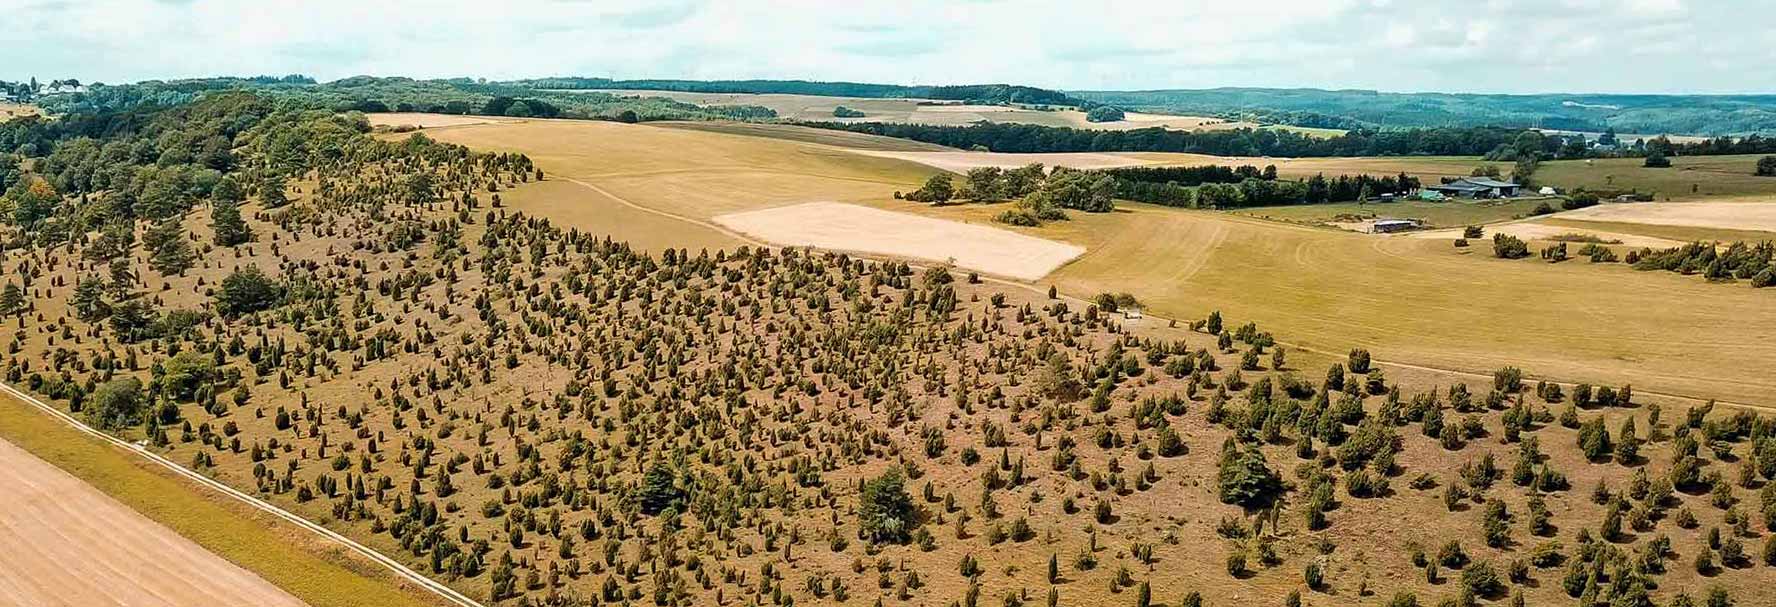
(395, 567)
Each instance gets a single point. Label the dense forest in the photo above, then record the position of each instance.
(1004, 137)
(1221, 187)
(979, 93)
(1352, 109)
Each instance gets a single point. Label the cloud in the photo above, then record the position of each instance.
(1439, 45)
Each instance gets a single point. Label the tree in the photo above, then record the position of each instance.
(659, 490)
(937, 189)
(1358, 361)
(986, 184)
(88, 300)
(117, 404)
(12, 300)
(1506, 246)
(245, 291)
(33, 200)
(271, 192)
(418, 188)
(172, 254)
(885, 511)
(1246, 478)
(1104, 113)
(184, 374)
(226, 222)
(1594, 440)
(1766, 166)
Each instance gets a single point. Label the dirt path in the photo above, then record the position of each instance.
(62, 542)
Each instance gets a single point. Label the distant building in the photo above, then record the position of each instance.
(1477, 187)
(1389, 226)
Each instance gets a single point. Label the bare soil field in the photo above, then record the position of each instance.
(1760, 216)
(848, 227)
(62, 542)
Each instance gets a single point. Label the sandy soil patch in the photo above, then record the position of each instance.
(1726, 215)
(1538, 231)
(62, 542)
(9, 111)
(960, 162)
(428, 121)
(848, 227)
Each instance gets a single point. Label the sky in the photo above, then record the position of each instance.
(1484, 46)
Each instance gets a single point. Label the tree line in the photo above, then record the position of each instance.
(1030, 138)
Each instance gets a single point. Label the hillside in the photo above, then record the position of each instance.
(360, 330)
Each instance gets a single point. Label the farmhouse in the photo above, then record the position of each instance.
(1477, 187)
(1389, 226)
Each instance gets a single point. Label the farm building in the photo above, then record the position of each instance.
(1477, 187)
(1389, 226)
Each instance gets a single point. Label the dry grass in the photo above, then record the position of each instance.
(1743, 216)
(692, 173)
(1424, 301)
(846, 227)
(426, 121)
(1453, 213)
(9, 111)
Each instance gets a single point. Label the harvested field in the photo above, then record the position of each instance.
(62, 542)
(428, 121)
(806, 134)
(960, 162)
(683, 173)
(1760, 216)
(848, 227)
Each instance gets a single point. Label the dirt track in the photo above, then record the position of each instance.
(62, 542)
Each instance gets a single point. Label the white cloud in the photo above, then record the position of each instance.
(1496, 45)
